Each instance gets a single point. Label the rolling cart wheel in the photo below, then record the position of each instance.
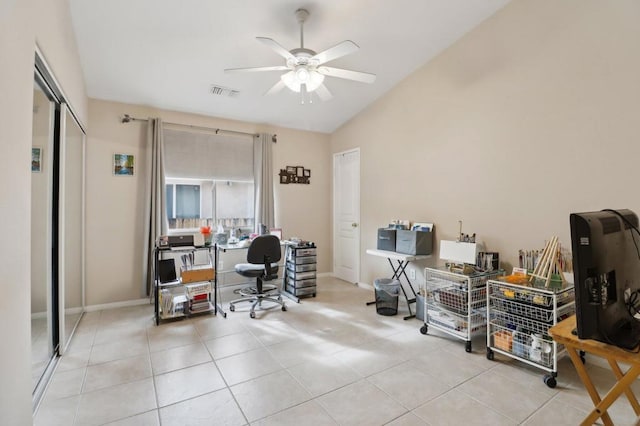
(489, 354)
(224, 315)
(252, 314)
(284, 308)
(232, 308)
(424, 329)
(467, 346)
(550, 381)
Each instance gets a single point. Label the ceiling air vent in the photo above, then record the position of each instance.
(223, 91)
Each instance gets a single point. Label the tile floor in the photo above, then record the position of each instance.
(330, 360)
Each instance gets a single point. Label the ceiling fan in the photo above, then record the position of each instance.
(305, 68)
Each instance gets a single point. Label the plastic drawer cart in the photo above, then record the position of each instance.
(300, 274)
(518, 320)
(456, 303)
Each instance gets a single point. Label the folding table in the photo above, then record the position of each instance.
(563, 333)
(399, 270)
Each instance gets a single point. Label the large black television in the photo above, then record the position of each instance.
(606, 268)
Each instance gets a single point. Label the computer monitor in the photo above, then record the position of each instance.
(606, 267)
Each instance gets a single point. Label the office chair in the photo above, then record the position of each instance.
(263, 256)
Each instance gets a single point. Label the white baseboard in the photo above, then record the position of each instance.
(38, 315)
(366, 286)
(135, 302)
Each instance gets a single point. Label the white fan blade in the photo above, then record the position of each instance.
(323, 93)
(276, 47)
(363, 77)
(335, 52)
(275, 88)
(257, 69)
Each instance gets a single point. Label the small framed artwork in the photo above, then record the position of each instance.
(36, 159)
(307, 173)
(422, 226)
(277, 232)
(291, 170)
(123, 165)
(300, 171)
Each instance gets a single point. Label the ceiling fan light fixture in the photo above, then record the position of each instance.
(302, 75)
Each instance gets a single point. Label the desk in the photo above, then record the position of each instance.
(398, 269)
(563, 334)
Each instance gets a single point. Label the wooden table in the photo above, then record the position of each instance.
(563, 333)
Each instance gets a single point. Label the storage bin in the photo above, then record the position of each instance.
(305, 267)
(503, 340)
(197, 273)
(414, 242)
(387, 291)
(386, 239)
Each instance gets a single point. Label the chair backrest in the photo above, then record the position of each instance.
(264, 245)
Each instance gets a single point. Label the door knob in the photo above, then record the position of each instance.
(354, 225)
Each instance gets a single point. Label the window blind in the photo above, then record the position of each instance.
(194, 155)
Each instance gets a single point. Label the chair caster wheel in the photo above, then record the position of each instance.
(550, 381)
(232, 308)
(252, 314)
(424, 329)
(284, 308)
(490, 355)
(467, 347)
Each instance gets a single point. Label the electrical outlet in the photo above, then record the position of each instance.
(412, 274)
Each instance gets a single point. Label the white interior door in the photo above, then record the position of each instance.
(346, 215)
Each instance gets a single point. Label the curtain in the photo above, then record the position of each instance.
(263, 180)
(155, 202)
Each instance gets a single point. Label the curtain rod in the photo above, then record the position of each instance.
(127, 118)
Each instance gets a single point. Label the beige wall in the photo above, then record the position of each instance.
(531, 116)
(115, 203)
(21, 24)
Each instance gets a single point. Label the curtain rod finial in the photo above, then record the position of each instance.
(274, 139)
(126, 118)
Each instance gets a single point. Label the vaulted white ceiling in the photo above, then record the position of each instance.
(167, 53)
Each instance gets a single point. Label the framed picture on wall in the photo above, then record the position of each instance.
(123, 165)
(36, 159)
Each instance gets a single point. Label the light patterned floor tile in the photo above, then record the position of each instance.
(457, 408)
(187, 383)
(116, 402)
(180, 357)
(150, 418)
(361, 403)
(215, 408)
(311, 412)
(247, 366)
(269, 394)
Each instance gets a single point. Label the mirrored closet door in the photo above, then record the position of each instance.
(57, 226)
(71, 226)
(44, 339)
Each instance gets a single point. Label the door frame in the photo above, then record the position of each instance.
(334, 215)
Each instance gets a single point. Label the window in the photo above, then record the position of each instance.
(194, 203)
(209, 180)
